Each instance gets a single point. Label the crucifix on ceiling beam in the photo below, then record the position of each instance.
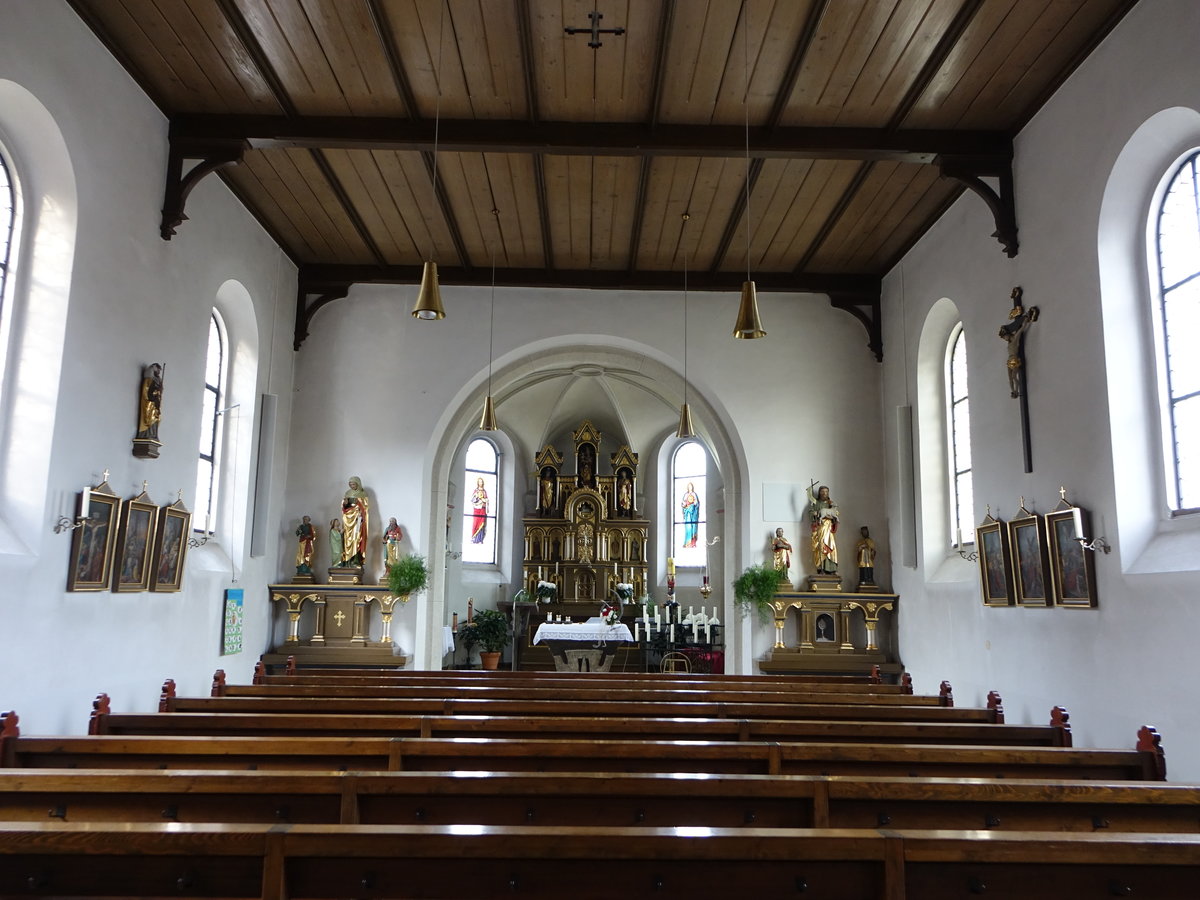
(1013, 332)
(594, 30)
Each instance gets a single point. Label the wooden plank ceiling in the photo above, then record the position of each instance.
(835, 113)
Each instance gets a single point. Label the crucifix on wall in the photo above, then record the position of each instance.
(1013, 332)
(594, 30)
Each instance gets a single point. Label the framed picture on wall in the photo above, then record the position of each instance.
(170, 547)
(92, 542)
(1030, 571)
(995, 566)
(1072, 569)
(135, 544)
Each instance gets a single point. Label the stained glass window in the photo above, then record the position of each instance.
(690, 504)
(479, 502)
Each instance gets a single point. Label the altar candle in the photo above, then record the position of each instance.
(691, 612)
(549, 617)
(657, 619)
(540, 574)
(615, 572)
(645, 614)
(470, 609)
(670, 565)
(672, 634)
(707, 634)
(959, 542)
(85, 503)
(454, 624)
(1076, 517)
(556, 568)
(695, 640)
(637, 632)
(629, 576)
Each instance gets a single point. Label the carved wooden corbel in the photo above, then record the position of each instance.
(864, 307)
(970, 172)
(321, 293)
(212, 154)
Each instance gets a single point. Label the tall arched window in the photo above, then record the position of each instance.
(1178, 318)
(481, 486)
(958, 431)
(689, 498)
(8, 223)
(208, 466)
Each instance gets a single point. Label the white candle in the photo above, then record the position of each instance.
(959, 542)
(657, 619)
(556, 568)
(691, 612)
(85, 503)
(1076, 516)
(672, 634)
(695, 640)
(707, 634)
(615, 567)
(637, 632)
(208, 523)
(549, 617)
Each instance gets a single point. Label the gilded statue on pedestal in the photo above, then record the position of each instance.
(306, 539)
(355, 518)
(823, 518)
(392, 536)
(781, 551)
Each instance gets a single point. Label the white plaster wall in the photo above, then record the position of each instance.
(1126, 663)
(134, 298)
(377, 392)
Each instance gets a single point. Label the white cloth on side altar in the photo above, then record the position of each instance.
(582, 632)
(447, 639)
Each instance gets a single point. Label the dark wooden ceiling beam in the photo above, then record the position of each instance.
(595, 139)
(317, 278)
(787, 84)
(245, 36)
(941, 52)
(525, 31)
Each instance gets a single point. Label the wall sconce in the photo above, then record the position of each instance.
(973, 556)
(66, 523)
(1095, 544)
(194, 542)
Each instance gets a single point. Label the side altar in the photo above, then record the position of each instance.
(337, 619)
(836, 633)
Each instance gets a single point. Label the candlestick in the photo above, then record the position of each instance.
(454, 624)
(470, 609)
(670, 565)
(549, 617)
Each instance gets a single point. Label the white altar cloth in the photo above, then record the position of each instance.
(548, 631)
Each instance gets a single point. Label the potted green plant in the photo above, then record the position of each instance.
(489, 629)
(407, 576)
(755, 588)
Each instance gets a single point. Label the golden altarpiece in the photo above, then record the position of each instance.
(585, 534)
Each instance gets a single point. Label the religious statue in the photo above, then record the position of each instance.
(145, 442)
(865, 551)
(392, 535)
(625, 494)
(690, 507)
(479, 511)
(782, 551)
(547, 492)
(336, 542)
(355, 522)
(1014, 333)
(823, 519)
(306, 539)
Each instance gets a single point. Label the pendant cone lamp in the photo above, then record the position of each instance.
(748, 325)
(487, 421)
(685, 429)
(429, 298)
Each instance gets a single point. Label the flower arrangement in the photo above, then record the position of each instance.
(545, 591)
(610, 614)
(623, 591)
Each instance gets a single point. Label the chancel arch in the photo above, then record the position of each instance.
(540, 393)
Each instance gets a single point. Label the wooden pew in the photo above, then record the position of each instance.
(353, 687)
(251, 720)
(541, 755)
(373, 703)
(872, 676)
(296, 861)
(610, 799)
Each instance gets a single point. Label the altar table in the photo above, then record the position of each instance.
(564, 641)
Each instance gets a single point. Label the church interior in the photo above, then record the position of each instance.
(732, 251)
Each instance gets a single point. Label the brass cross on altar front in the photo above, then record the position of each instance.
(339, 617)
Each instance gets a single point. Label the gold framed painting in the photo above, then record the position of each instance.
(135, 544)
(92, 542)
(170, 547)
(1072, 569)
(995, 564)
(1030, 571)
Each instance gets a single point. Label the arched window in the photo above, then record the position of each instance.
(8, 223)
(689, 467)
(481, 499)
(958, 432)
(208, 466)
(1178, 319)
